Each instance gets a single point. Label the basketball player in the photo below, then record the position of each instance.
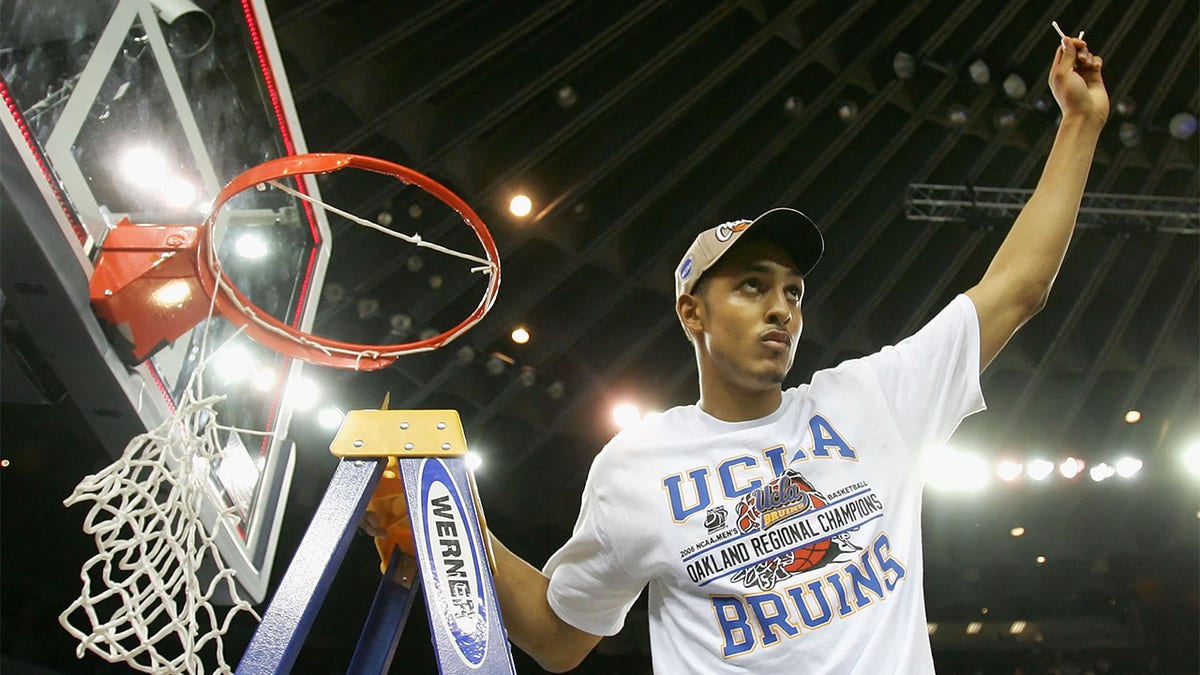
(779, 531)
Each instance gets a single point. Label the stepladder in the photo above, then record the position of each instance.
(405, 472)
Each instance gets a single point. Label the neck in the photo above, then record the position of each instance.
(738, 405)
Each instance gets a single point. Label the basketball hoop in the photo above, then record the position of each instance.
(145, 600)
(262, 327)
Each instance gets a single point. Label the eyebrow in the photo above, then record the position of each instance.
(763, 268)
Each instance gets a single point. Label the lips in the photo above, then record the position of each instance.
(777, 339)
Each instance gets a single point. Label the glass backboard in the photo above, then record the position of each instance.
(144, 109)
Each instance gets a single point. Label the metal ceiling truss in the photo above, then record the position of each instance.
(1138, 213)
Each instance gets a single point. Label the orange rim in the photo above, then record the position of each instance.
(268, 330)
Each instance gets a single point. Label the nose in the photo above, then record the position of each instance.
(780, 311)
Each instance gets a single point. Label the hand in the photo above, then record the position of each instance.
(1076, 82)
(386, 518)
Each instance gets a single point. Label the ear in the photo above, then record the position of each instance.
(691, 313)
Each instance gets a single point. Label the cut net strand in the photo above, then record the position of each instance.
(486, 266)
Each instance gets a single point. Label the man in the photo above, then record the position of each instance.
(781, 529)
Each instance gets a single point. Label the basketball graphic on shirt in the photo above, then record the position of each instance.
(814, 555)
(786, 496)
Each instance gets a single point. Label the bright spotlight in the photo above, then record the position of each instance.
(234, 363)
(520, 335)
(1071, 467)
(251, 245)
(474, 460)
(144, 166)
(330, 418)
(1039, 469)
(1133, 417)
(626, 414)
(1041, 560)
(1017, 627)
(1128, 466)
(304, 393)
(1191, 458)
(263, 380)
(1102, 471)
(949, 470)
(178, 192)
(520, 206)
(974, 627)
(1009, 470)
(1017, 531)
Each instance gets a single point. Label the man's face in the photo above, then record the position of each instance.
(749, 305)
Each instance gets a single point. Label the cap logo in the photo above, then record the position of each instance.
(685, 270)
(725, 231)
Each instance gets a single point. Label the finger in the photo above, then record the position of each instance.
(1065, 59)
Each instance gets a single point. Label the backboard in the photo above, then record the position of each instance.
(144, 109)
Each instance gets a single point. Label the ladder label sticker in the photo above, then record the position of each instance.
(457, 587)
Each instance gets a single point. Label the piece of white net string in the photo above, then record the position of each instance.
(485, 266)
(149, 594)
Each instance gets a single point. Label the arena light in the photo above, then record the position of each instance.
(1127, 467)
(1102, 472)
(263, 379)
(1041, 560)
(957, 115)
(304, 393)
(251, 245)
(1017, 628)
(330, 418)
(178, 192)
(1133, 416)
(234, 362)
(474, 460)
(1014, 86)
(950, 470)
(1130, 134)
(1017, 531)
(1039, 469)
(1191, 458)
(1070, 467)
(144, 166)
(904, 65)
(1009, 470)
(520, 206)
(979, 71)
(626, 414)
(1182, 126)
(847, 111)
(520, 335)
(974, 627)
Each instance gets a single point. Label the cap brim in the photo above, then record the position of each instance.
(795, 232)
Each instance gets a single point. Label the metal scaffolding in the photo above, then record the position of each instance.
(1116, 212)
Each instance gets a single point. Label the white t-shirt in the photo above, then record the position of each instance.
(791, 542)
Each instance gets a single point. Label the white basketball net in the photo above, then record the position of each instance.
(144, 601)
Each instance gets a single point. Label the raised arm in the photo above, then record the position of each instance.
(1017, 282)
(532, 624)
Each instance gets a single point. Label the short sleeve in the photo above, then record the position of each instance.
(589, 588)
(930, 380)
